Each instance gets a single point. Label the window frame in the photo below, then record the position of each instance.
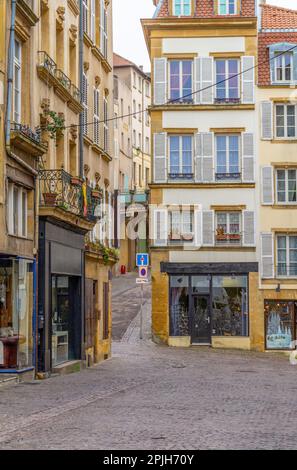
(220, 2)
(286, 202)
(288, 262)
(180, 136)
(17, 66)
(228, 224)
(283, 67)
(17, 229)
(188, 99)
(105, 123)
(285, 137)
(181, 224)
(183, 4)
(226, 77)
(228, 155)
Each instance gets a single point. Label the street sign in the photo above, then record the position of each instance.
(141, 280)
(143, 272)
(142, 259)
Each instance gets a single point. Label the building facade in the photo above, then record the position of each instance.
(203, 215)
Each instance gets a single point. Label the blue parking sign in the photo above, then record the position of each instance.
(142, 259)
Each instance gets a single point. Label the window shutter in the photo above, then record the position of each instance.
(102, 22)
(295, 65)
(85, 104)
(207, 157)
(266, 120)
(248, 157)
(208, 228)
(248, 79)
(267, 186)
(198, 157)
(267, 256)
(197, 228)
(160, 157)
(85, 16)
(160, 81)
(96, 117)
(248, 228)
(160, 224)
(93, 21)
(197, 79)
(206, 96)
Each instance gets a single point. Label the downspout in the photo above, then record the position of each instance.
(11, 52)
(81, 69)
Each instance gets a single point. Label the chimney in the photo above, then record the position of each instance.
(141, 67)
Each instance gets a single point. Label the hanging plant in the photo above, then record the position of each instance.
(56, 125)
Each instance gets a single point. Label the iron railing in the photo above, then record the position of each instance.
(181, 176)
(26, 131)
(287, 270)
(228, 176)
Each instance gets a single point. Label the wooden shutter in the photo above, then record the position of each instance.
(267, 255)
(248, 157)
(266, 120)
(197, 79)
(160, 157)
(267, 184)
(160, 227)
(248, 79)
(207, 156)
(160, 81)
(206, 96)
(90, 313)
(198, 157)
(248, 228)
(197, 228)
(208, 228)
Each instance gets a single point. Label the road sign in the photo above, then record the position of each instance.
(141, 280)
(143, 272)
(142, 259)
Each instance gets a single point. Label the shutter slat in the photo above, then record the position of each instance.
(198, 157)
(207, 156)
(206, 96)
(160, 223)
(198, 228)
(160, 80)
(267, 120)
(197, 79)
(248, 79)
(267, 256)
(267, 185)
(160, 157)
(208, 228)
(248, 228)
(248, 157)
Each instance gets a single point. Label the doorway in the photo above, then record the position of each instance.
(200, 320)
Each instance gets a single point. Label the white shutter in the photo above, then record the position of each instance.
(248, 228)
(160, 227)
(197, 228)
(160, 157)
(197, 79)
(198, 157)
(93, 21)
(102, 23)
(208, 228)
(85, 104)
(207, 157)
(160, 81)
(86, 16)
(248, 157)
(267, 185)
(267, 255)
(248, 79)
(266, 120)
(96, 117)
(206, 96)
(110, 220)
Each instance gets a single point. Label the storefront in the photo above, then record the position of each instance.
(280, 324)
(61, 293)
(17, 315)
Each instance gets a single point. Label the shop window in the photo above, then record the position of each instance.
(17, 210)
(228, 228)
(286, 255)
(181, 226)
(181, 80)
(230, 306)
(280, 324)
(179, 306)
(286, 183)
(227, 79)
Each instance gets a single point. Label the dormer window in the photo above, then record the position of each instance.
(182, 7)
(284, 67)
(227, 7)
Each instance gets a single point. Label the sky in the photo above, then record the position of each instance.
(128, 36)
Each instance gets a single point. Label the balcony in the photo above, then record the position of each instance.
(26, 8)
(228, 239)
(59, 190)
(286, 270)
(27, 140)
(49, 72)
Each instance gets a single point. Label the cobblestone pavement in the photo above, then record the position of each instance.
(154, 397)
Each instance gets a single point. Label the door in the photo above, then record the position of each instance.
(201, 323)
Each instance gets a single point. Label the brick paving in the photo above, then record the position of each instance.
(154, 397)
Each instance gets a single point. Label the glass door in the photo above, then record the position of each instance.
(201, 323)
(60, 319)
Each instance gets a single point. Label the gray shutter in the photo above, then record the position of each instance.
(206, 96)
(248, 228)
(160, 81)
(266, 120)
(248, 157)
(267, 184)
(160, 157)
(198, 157)
(197, 228)
(295, 65)
(248, 79)
(197, 79)
(160, 223)
(207, 157)
(208, 228)
(267, 256)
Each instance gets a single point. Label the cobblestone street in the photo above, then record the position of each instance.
(152, 397)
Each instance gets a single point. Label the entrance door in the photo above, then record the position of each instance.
(201, 333)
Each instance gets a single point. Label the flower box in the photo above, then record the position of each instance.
(96, 193)
(76, 181)
(50, 198)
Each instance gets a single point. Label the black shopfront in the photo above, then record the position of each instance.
(60, 295)
(208, 300)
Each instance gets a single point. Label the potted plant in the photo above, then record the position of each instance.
(96, 193)
(50, 198)
(76, 181)
(188, 237)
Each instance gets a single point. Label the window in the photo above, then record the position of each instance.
(181, 226)
(147, 145)
(228, 228)
(17, 82)
(286, 184)
(280, 323)
(105, 124)
(285, 121)
(134, 79)
(147, 118)
(135, 173)
(122, 108)
(115, 120)
(179, 306)
(147, 176)
(122, 140)
(17, 210)
(287, 255)
(227, 156)
(181, 81)
(227, 7)
(134, 138)
(93, 21)
(139, 141)
(182, 7)
(96, 116)
(147, 89)
(227, 87)
(139, 84)
(180, 156)
(139, 175)
(139, 113)
(134, 109)
(284, 67)
(103, 29)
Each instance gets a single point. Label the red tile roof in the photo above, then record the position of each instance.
(119, 61)
(278, 18)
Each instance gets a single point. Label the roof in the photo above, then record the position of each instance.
(274, 17)
(119, 61)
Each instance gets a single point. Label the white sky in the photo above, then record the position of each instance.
(128, 36)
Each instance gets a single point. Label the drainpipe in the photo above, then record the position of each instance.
(81, 69)
(11, 52)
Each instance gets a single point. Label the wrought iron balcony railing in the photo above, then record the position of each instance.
(228, 239)
(58, 189)
(26, 131)
(181, 176)
(227, 100)
(286, 270)
(228, 176)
